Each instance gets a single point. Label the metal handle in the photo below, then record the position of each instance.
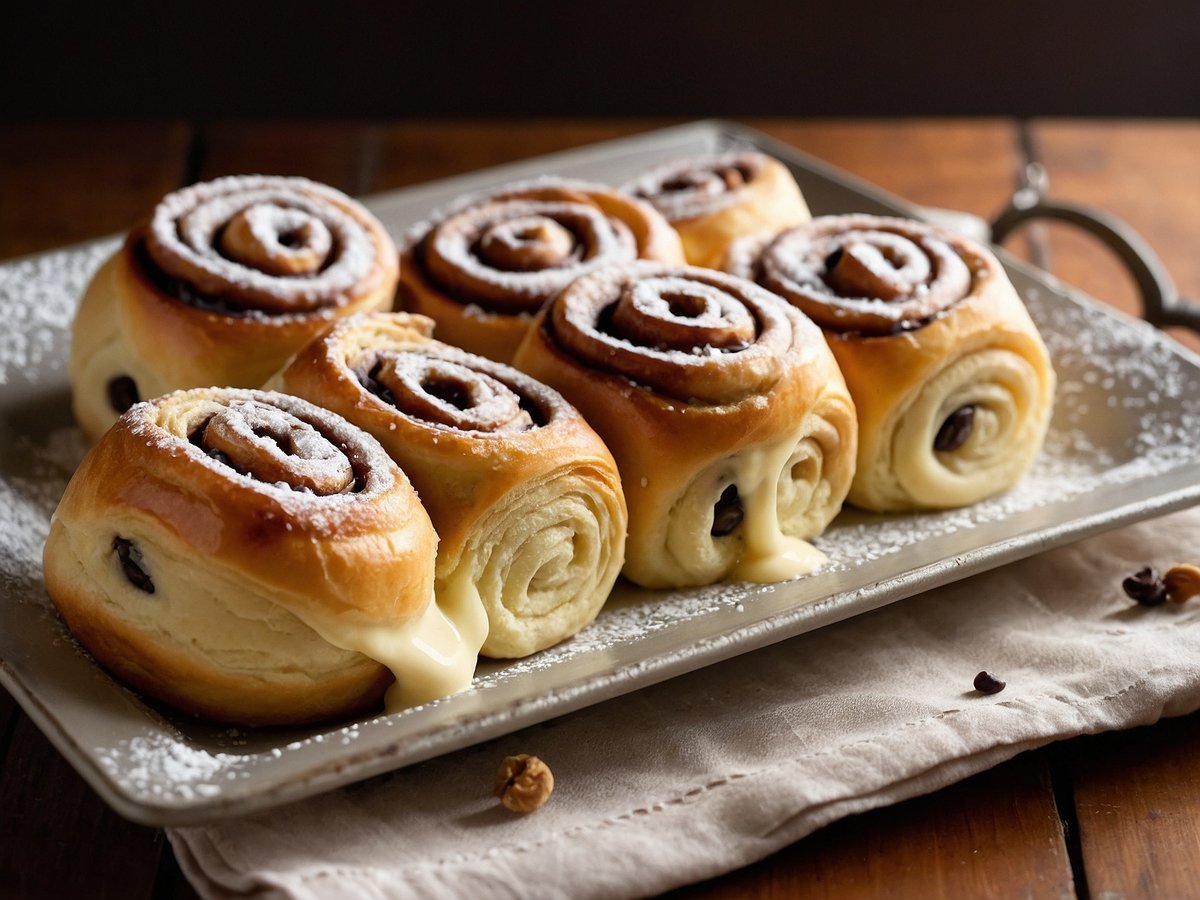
(1161, 304)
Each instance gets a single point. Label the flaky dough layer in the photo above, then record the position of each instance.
(524, 495)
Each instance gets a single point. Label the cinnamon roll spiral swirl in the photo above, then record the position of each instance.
(730, 423)
(483, 267)
(714, 200)
(952, 382)
(249, 557)
(522, 492)
(226, 280)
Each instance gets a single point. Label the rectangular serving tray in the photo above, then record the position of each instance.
(1124, 445)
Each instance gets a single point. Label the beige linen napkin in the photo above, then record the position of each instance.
(716, 769)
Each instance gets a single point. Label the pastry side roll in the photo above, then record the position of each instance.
(730, 423)
(522, 492)
(482, 267)
(714, 200)
(952, 382)
(226, 280)
(251, 558)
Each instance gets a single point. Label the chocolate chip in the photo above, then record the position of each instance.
(1146, 586)
(131, 564)
(727, 512)
(122, 393)
(987, 683)
(955, 430)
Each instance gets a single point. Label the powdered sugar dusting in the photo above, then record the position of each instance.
(689, 188)
(28, 498)
(187, 226)
(38, 296)
(162, 766)
(861, 272)
(474, 256)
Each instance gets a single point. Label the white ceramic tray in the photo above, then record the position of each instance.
(1124, 445)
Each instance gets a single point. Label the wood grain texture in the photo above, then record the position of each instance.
(969, 165)
(59, 837)
(63, 183)
(1137, 801)
(994, 835)
(1147, 173)
(335, 153)
(417, 151)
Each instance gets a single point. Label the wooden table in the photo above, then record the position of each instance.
(1106, 816)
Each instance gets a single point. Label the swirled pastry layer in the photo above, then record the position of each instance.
(522, 492)
(226, 280)
(252, 558)
(714, 200)
(481, 268)
(729, 420)
(952, 382)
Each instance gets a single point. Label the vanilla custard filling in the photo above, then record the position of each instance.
(432, 655)
(768, 555)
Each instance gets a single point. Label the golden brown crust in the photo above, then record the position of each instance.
(661, 439)
(972, 345)
(235, 550)
(714, 200)
(142, 318)
(483, 267)
(489, 450)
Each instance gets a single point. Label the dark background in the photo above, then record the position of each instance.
(739, 57)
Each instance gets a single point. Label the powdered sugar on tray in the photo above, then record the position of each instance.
(38, 296)
(164, 766)
(27, 500)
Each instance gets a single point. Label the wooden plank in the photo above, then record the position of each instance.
(339, 154)
(1137, 800)
(60, 839)
(966, 164)
(977, 161)
(364, 157)
(61, 183)
(417, 151)
(994, 835)
(10, 714)
(1145, 172)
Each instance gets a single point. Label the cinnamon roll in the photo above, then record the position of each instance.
(952, 382)
(251, 558)
(225, 281)
(483, 267)
(727, 416)
(523, 494)
(713, 200)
